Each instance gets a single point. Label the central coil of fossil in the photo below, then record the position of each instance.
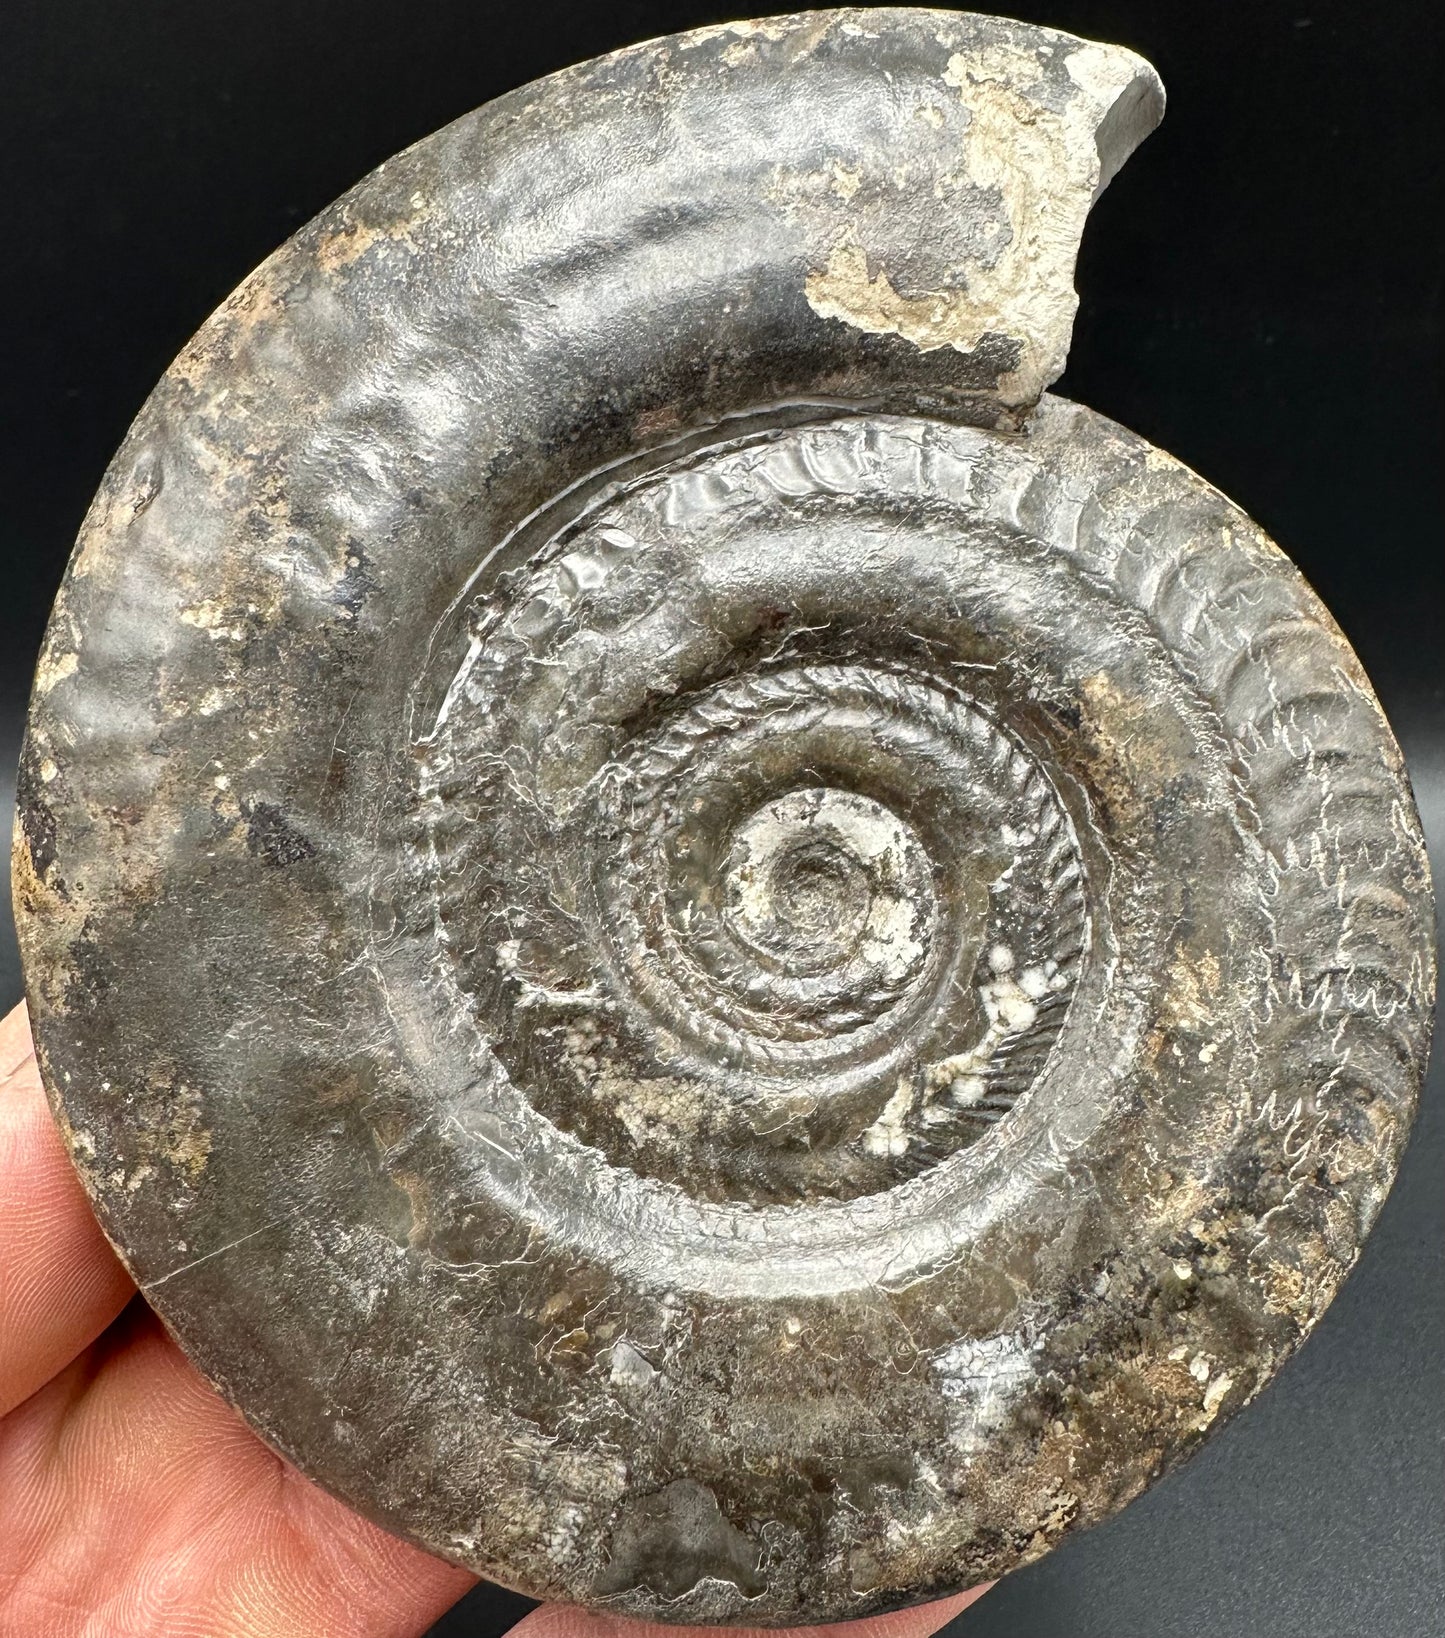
(748, 903)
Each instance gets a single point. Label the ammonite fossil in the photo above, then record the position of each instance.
(711, 955)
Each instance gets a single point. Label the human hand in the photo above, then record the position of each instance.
(135, 1503)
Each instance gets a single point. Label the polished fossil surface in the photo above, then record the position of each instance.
(712, 955)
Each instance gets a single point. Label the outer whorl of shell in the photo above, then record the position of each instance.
(710, 956)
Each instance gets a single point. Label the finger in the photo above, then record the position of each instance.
(563, 1621)
(149, 1507)
(60, 1283)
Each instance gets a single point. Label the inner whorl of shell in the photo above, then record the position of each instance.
(750, 894)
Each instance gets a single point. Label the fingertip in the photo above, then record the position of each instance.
(16, 1045)
(60, 1282)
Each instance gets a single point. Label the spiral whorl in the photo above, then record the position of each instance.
(818, 921)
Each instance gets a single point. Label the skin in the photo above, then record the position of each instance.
(135, 1503)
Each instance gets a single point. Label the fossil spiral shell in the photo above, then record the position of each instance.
(712, 955)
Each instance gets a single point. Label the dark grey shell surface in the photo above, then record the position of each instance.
(713, 956)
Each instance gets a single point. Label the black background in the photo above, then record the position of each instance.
(1261, 296)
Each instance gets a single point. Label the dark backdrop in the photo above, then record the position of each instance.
(1261, 293)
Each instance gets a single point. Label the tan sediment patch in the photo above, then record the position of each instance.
(55, 668)
(1046, 168)
(350, 243)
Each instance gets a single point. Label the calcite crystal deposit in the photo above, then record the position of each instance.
(712, 956)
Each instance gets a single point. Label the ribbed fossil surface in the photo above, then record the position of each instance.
(710, 956)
